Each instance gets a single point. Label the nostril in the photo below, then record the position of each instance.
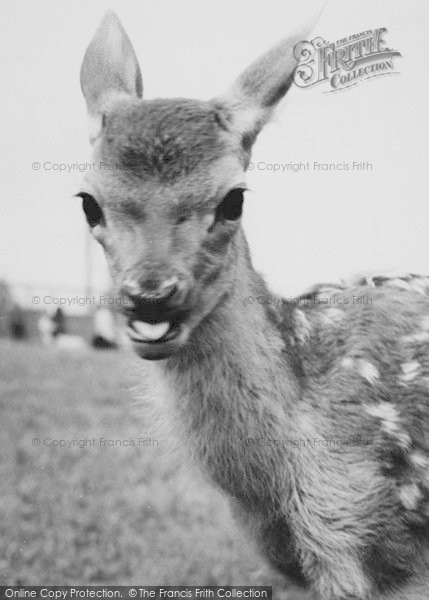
(142, 293)
(131, 288)
(168, 288)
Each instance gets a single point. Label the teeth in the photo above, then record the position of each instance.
(150, 331)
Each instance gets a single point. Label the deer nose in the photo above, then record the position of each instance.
(149, 292)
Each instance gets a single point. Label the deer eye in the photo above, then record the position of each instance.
(92, 210)
(231, 207)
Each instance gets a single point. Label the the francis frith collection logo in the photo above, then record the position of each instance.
(344, 63)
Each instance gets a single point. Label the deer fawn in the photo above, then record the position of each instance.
(331, 397)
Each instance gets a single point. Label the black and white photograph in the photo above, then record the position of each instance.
(214, 300)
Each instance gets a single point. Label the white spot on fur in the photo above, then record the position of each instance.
(425, 322)
(303, 326)
(415, 338)
(347, 363)
(410, 371)
(383, 411)
(365, 369)
(389, 417)
(419, 460)
(410, 495)
(368, 371)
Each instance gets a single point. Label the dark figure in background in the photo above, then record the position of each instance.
(17, 327)
(58, 322)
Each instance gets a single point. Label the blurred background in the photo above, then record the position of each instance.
(97, 514)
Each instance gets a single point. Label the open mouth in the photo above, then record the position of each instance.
(154, 341)
(152, 333)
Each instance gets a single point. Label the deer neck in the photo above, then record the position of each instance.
(234, 392)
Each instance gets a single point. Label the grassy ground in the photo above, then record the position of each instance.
(102, 514)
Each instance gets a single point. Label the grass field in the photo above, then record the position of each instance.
(99, 514)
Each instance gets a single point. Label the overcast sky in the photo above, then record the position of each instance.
(303, 227)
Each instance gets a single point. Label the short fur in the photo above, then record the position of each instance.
(163, 138)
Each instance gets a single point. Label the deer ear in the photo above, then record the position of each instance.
(254, 95)
(109, 70)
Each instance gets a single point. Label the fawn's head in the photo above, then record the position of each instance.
(166, 199)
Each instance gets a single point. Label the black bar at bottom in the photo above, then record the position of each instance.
(138, 592)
